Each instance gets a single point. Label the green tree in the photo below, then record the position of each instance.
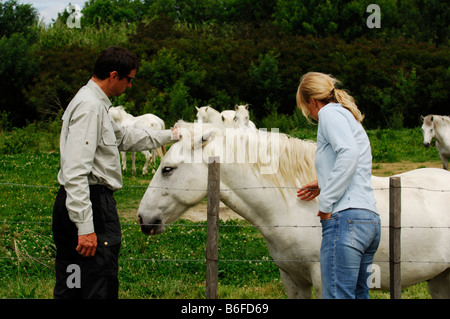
(435, 20)
(264, 75)
(16, 18)
(97, 12)
(303, 17)
(17, 68)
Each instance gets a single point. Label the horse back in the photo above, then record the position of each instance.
(424, 197)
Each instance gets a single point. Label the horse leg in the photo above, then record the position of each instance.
(148, 157)
(444, 160)
(439, 286)
(133, 162)
(153, 154)
(124, 161)
(442, 155)
(293, 288)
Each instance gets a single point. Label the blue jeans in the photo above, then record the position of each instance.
(350, 239)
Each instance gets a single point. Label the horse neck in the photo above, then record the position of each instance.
(441, 127)
(262, 202)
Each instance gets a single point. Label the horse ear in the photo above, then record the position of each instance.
(422, 118)
(198, 109)
(431, 118)
(206, 136)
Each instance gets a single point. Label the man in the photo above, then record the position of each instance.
(86, 227)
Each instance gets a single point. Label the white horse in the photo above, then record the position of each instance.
(239, 117)
(437, 126)
(146, 121)
(268, 200)
(242, 117)
(207, 114)
(228, 118)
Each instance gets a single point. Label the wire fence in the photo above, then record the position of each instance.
(221, 225)
(211, 257)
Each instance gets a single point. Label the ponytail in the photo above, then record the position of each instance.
(321, 87)
(347, 101)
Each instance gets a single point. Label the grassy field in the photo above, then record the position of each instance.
(170, 265)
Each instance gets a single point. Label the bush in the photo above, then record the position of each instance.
(20, 140)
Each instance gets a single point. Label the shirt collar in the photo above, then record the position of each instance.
(99, 92)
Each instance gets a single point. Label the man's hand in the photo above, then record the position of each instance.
(87, 245)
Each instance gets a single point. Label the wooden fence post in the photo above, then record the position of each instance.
(395, 237)
(212, 233)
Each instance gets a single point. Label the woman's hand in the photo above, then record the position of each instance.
(323, 215)
(309, 191)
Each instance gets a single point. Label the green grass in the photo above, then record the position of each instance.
(170, 265)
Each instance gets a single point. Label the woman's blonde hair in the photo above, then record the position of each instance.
(321, 87)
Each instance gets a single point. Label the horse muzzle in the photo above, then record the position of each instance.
(427, 145)
(153, 227)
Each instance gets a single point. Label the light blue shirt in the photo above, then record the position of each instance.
(343, 161)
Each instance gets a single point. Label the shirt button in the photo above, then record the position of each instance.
(106, 243)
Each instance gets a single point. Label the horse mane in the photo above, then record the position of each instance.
(294, 164)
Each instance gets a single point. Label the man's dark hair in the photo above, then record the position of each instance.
(115, 59)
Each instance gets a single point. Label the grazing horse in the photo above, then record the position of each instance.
(438, 127)
(260, 173)
(146, 121)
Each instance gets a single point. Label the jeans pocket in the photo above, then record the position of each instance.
(362, 232)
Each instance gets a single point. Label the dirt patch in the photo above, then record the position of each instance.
(388, 169)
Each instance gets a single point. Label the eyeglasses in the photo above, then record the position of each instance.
(129, 79)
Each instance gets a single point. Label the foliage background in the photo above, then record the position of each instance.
(200, 52)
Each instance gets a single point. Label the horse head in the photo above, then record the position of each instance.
(181, 179)
(427, 130)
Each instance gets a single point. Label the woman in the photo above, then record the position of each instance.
(347, 207)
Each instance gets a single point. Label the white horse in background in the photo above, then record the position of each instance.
(239, 117)
(207, 114)
(146, 121)
(228, 118)
(290, 226)
(242, 117)
(438, 127)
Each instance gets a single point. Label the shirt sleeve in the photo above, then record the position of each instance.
(337, 131)
(82, 141)
(136, 140)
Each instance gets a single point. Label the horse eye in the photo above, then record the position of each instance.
(167, 170)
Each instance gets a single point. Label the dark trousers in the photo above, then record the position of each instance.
(87, 277)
